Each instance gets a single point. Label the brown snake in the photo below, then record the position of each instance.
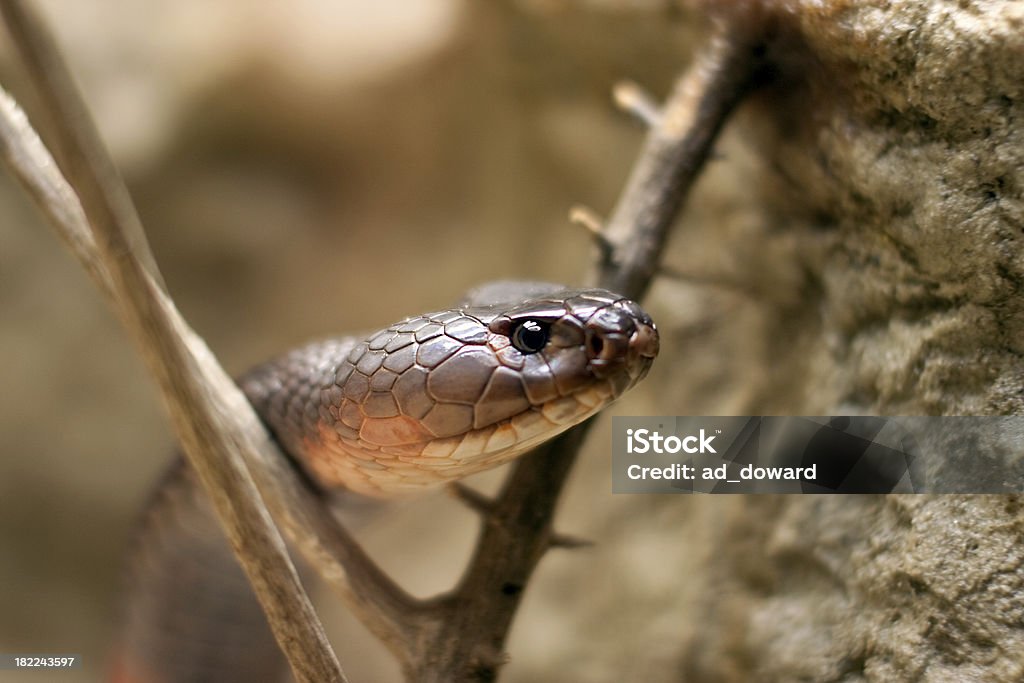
(421, 403)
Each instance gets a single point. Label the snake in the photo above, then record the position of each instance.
(419, 404)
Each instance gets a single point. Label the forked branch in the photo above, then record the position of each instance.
(468, 642)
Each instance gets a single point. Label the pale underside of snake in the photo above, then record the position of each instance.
(422, 403)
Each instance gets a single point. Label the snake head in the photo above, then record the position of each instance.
(435, 397)
(576, 341)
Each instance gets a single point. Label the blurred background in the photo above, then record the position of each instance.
(852, 247)
(304, 169)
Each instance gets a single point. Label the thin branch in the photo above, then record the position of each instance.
(24, 153)
(80, 153)
(587, 218)
(630, 97)
(674, 154)
(476, 616)
(469, 642)
(471, 498)
(310, 525)
(201, 416)
(213, 420)
(569, 542)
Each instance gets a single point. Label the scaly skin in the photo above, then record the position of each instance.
(421, 403)
(439, 396)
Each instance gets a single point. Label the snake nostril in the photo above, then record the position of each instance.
(595, 345)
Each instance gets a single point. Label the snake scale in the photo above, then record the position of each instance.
(421, 403)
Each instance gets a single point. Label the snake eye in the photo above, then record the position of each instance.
(529, 336)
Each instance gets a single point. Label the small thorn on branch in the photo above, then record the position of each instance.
(568, 541)
(590, 221)
(632, 98)
(472, 498)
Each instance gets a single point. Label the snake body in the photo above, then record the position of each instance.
(421, 403)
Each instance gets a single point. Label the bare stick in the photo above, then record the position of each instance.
(216, 428)
(211, 416)
(31, 163)
(674, 154)
(630, 97)
(384, 607)
(469, 645)
(469, 641)
(81, 155)
(588, 219)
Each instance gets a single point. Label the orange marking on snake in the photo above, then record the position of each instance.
(393, 431)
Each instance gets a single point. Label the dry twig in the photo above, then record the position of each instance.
(673, 155)
(215, 424)
(629, 96)
(468, 644)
